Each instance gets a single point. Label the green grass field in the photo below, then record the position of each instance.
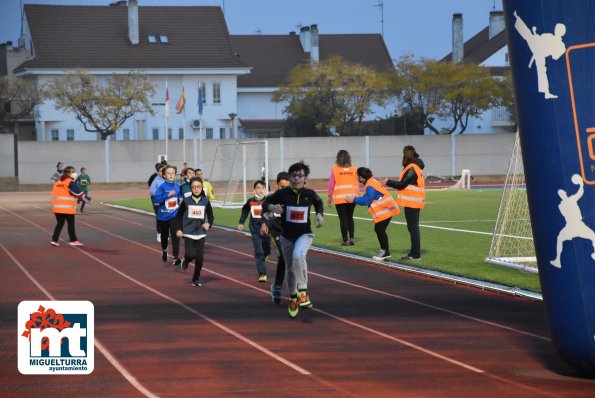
(456, 228)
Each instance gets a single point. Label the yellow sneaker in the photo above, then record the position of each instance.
(304, 300)
(262, 278)
(293, 308)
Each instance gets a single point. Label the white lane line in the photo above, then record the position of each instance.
(173, 300)
(111, 359)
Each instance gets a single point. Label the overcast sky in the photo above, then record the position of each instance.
(420, 27)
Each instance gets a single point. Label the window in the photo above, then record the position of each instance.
(203, 92)
(163, 39)
(55, 135)
(216, 93)
(152, 39)
(169, 133)
(209, 133)
(126, 134)
(181, 133)
(155, 134)
(222, 133)
(70, 135)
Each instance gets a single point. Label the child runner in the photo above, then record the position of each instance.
(381, 205)
(272, 228)
(262, 244)
(195, 217)
(154, 182)
(207, 187)
(167, 198)
(65, 194)
(84, 181)
(294, 204)
(187, 174)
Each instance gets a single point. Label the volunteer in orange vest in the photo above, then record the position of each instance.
(411, 194)
(342, 182)
(65, 196)
(381, 205)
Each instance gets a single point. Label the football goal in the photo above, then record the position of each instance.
(512, 241)
(236, 166)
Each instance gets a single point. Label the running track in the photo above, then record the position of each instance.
(374, 332)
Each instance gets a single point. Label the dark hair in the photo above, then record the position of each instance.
(365, 173)
(157, 166)
(409, 155)
(59, 163)
(163, 162)
(68, 170)
(299, 166)
(259, 182)
(194, 179)
(282, 176)
(343, 158)
(187, 170)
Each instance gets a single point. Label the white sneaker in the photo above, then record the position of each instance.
(159, 238)
(382, 255)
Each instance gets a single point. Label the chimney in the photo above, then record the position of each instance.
(496, 23)
(314, 49)
(305, 38)
(133, 22)
(457, 37)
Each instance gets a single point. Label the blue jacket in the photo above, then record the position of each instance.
(369, 196)
(168, 206)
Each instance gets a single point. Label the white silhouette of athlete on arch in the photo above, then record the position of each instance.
(575, 227)
(542, 46)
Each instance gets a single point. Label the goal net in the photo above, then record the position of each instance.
(464, 182)
(236, 166)
(512, 241)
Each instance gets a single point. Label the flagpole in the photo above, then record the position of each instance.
(166, 117)
(200, 126)
(184, 138)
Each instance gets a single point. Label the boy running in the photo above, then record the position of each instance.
(294, 203)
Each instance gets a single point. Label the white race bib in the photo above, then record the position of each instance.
(256, 211)
(296, 214)
(196, 212)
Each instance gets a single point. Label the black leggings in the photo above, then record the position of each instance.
(380, 229)
(280, 272)
(345, 213)
(169, 227)
(61, 218)
(194, 249)
(412, 217)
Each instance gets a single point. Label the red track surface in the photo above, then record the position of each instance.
(373, 332)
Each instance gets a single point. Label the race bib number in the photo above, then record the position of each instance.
(84, 182)
(256, 211)
(171, 203)
(196, 212)
(296, 214)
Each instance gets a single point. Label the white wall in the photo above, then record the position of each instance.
(133, 161)
(6, 155)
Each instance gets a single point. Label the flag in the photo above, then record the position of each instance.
(166, 100)
(181, 102)
(199, 99)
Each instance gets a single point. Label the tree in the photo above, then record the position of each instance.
(18, 98)
(444, 90)
(330, 94)
(102, 108)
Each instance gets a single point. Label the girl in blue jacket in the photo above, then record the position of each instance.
(167, 198)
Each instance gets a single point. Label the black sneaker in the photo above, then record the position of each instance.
(410, 258)
(382, 255)
(177, 262)
(184, 265)
(164, 256)
(196, 284)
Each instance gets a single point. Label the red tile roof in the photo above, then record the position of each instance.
(97, 37)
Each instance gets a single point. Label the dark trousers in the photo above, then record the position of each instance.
(345, 213)
(82, 202)
(155, 208)
(380, 229)
(61, 218)
(169, 227)
(280, 273)
(194, 249)
(412, 218)
(262, 249)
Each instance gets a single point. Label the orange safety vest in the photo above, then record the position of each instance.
(382, 208)
(62, 201)
(413, 196)
(345, 183)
